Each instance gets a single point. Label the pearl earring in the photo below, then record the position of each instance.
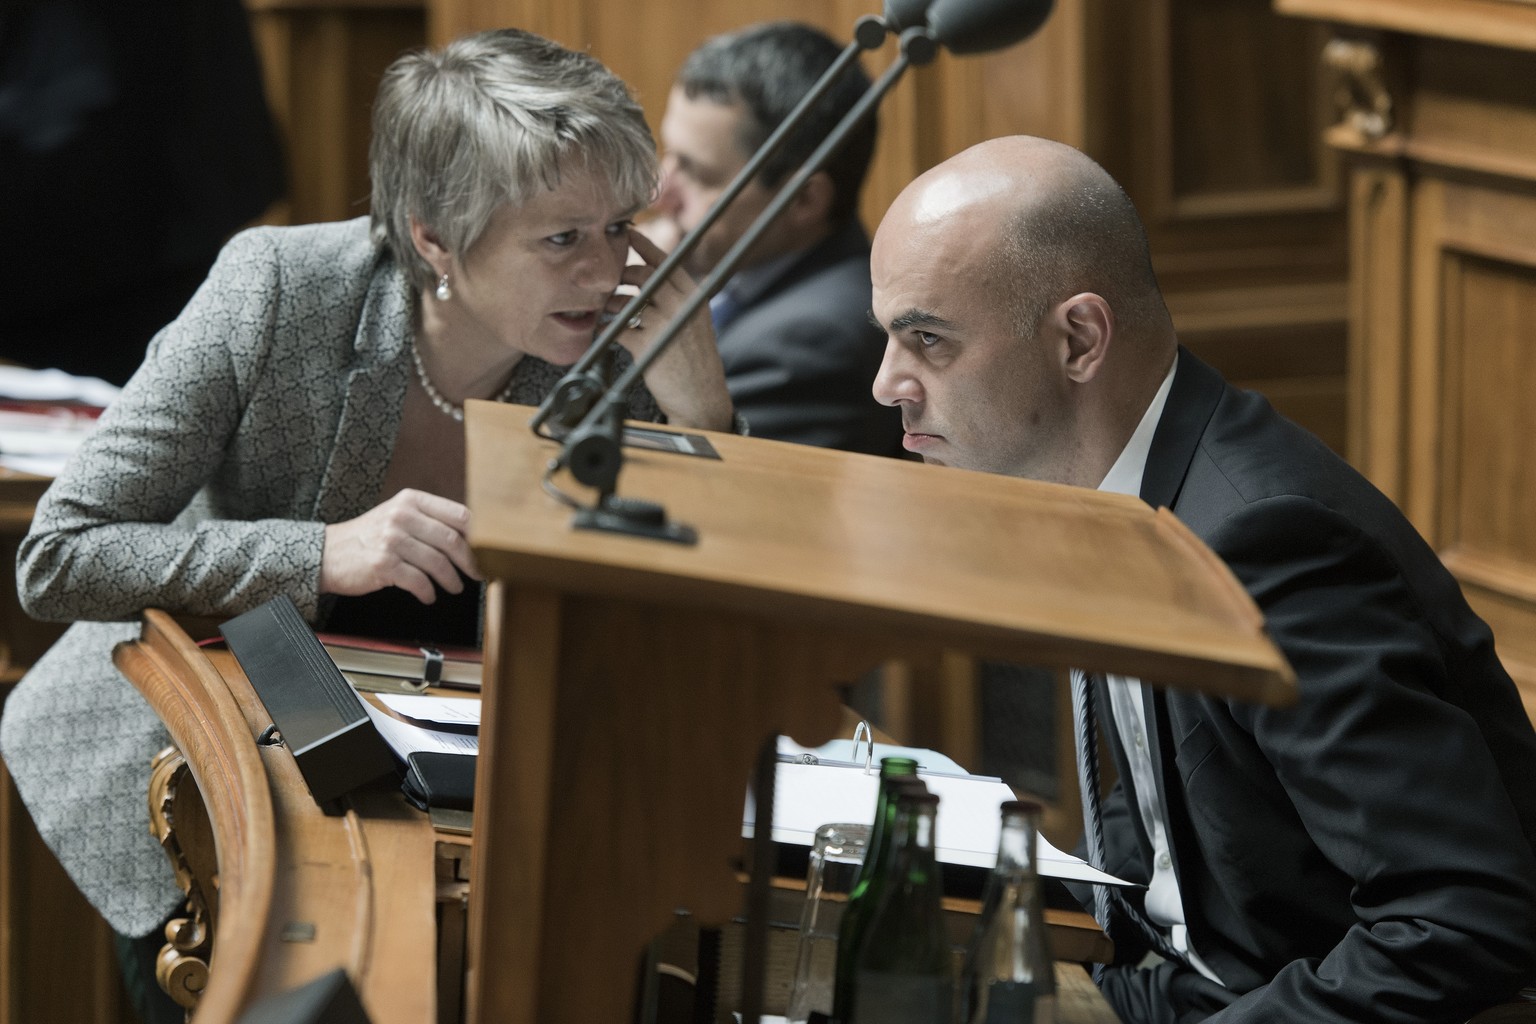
(444, 293)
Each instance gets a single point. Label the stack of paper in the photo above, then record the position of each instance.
(420, 722)
(44, 415)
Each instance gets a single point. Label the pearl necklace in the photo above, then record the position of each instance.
(447, 408)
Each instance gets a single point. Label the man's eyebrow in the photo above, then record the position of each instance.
(919, 318)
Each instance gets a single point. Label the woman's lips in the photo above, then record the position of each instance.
(578, 320)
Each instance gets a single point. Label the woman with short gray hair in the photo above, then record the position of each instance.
(297, 430)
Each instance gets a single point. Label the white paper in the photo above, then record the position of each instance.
(55, 386)
(36, 465)
(41, 442)
(426, 708)
(807, 796)
(405, 738)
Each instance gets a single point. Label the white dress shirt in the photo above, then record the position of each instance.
(1163, 904)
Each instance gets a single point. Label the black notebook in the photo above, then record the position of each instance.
(442, 780)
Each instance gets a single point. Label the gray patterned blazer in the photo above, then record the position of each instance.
(268, 409)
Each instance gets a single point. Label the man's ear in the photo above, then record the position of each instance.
(429, 248)
(1088, 326)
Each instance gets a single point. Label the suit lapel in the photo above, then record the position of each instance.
(371, 404)
(1196, 390)
(1154, 706)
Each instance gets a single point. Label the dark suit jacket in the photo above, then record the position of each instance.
(801, 355)
(1366, 854)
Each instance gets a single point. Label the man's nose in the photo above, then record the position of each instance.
(895, 384)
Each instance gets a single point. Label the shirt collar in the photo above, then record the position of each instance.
(1124, 477)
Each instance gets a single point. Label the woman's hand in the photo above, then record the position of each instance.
(688, 381)
(409, 541)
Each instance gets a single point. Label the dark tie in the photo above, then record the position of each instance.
(1107, 902)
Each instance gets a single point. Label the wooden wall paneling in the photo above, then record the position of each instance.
(322, 60)
(318, 119)
(1485, 480)
(1223, 86)
(449, 19)
(1510, 619)
(1421, 430)
(931, 114)
(1489, 421)
(1218, 119)
(1250, 76)
(900, 145)
(646, 41)
(1443, 286)
(1046, 85)
(1379, 229)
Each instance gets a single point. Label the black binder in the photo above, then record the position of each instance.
(320, 717)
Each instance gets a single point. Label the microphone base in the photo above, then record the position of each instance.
(635, 517)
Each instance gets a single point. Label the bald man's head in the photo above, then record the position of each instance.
(1026, 330)
(1053, 223)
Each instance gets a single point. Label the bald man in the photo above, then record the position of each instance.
(1366, 855)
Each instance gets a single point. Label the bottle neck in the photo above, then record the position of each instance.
(882, 836)
(916, 817)
(1016, 845)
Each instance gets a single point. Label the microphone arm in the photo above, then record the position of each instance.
(593, 450)
(573, 397)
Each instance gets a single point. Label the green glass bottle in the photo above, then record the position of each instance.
(1009, 976)
(894, 773)
(903, 972)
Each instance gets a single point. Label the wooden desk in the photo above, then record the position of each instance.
(631, 683)
(301, 893)
(1078, 999)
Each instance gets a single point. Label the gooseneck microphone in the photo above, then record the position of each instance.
(978, 26)
(590, 424)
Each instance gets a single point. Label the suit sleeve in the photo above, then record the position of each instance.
(109, 538)
(1392, 781)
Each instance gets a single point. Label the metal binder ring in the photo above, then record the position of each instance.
(862, 730)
